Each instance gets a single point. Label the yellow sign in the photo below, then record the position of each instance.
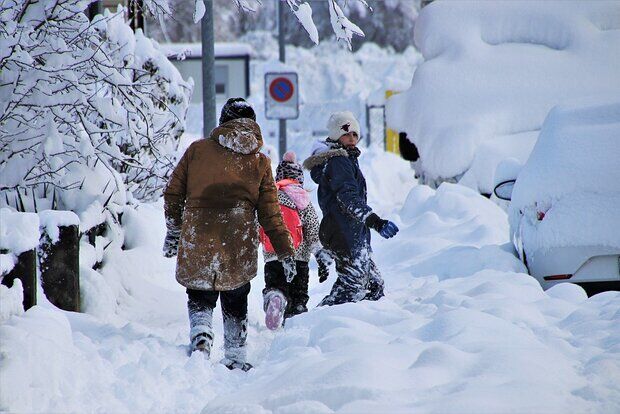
(391, 136)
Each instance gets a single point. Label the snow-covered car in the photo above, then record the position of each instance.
(565, 202)
(492, 71)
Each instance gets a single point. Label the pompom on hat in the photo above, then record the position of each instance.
(341, 123)
(289, 168)
(290, 156)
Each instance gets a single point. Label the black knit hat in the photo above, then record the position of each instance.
(236, 108)
(289, 168)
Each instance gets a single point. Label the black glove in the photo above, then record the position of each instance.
(324, 260)
(323, 272)
(171, 243)
(290, 268)
(385, 228)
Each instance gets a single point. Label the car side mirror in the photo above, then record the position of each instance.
(503, 190)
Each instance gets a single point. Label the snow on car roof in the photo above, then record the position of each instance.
(578, 150)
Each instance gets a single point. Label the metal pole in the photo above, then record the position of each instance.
(208, 70)
(282, 143)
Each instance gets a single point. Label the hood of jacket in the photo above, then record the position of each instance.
(321, 152)
(240, 135)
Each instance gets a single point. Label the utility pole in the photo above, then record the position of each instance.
(282, 143)
(208, 70)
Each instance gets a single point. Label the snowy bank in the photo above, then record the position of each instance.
(492, 72)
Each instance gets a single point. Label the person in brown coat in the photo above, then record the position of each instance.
(217, 196)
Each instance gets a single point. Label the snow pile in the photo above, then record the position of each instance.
(50, 221)
(11, 300)
(388, 178)
(492, 72)
(19, 232)
(573, 175)
(461, 328)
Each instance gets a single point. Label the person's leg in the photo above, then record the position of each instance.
(235, 315)
(350, 286)
(275, 294)
(200, 305)
(375, 282)
(275, 280)
(298, 291)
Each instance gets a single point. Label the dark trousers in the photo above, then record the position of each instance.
(358, 279)
(200, 305)
(296, 292)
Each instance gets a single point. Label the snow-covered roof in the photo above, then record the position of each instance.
(194, 50)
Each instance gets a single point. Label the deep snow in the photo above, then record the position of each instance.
(461, 329)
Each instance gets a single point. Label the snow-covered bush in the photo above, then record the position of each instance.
(492, 72)
(88, 110)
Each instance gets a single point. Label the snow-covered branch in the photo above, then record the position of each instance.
(343, 28)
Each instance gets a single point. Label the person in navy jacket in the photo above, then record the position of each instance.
(347, 218)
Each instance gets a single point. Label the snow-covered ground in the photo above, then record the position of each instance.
(461, 329)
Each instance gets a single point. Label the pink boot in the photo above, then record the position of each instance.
(275, 304)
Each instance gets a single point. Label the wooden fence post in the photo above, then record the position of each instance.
(60, 268)
(26, 271)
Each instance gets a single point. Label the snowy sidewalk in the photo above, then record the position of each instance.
(461, 329)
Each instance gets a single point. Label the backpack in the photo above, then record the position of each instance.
(292, 221)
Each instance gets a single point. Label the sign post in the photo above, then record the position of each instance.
(281, 101)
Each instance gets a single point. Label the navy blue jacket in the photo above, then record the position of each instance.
(342, 197)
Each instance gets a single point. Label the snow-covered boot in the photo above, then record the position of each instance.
(231, 364)
(274, 304)
(235, 335)
(201, 339)
(201, 331)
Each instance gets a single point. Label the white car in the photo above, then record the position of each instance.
(565, 202)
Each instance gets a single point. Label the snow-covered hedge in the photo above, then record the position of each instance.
(492, 72)
(88, 110)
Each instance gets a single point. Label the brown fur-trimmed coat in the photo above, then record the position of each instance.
(218, 193)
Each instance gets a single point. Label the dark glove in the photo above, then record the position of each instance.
(290, 268)
(324, 260)
(323, 272)
(171, 243)
(385, 228)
